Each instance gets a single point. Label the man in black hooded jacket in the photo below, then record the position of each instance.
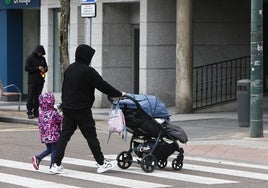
(79, 84)
(36, 66)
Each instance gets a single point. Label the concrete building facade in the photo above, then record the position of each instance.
(135, 41)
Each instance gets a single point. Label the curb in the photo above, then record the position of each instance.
(14, 120)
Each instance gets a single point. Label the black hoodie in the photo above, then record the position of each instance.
(80, 81)
(32, 65)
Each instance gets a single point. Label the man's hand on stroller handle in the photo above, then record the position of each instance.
(123, 94)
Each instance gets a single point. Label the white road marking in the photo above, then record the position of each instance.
(157, 173)
(18, 129)
(30, 182)
(238, 173)
(100, 178)
(230, 172)
(226, 162)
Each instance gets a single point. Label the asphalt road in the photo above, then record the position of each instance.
(18, 142)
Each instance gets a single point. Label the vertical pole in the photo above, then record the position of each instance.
(89, 31)
(256, 89)
(184, 56)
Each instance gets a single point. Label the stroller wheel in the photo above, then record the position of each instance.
(177, 164)
(148, 163)
(124, 159)
(161, 163)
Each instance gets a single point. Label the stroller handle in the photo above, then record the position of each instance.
(128, 97)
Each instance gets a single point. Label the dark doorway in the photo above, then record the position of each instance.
(265, 47)
(56, 56)
(136, 65)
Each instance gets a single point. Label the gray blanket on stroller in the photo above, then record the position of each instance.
(177, 133)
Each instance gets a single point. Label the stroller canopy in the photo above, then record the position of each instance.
(149, 103)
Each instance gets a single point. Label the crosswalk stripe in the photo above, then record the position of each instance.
(18, 129)
(238, 173)
(225, 162)
(30, 182)
(158, 174)
(101, 178)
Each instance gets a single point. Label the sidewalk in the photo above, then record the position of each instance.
(211, 135)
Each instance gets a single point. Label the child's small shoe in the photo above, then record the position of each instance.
(35, 162)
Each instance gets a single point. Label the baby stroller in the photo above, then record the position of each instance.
(153, 138)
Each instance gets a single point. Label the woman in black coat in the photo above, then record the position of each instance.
(36, 66)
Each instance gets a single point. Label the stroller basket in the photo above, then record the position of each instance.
(141, 148)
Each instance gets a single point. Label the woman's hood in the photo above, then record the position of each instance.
(39, 49)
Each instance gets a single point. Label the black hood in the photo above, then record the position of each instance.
(84, 54)
(39, 49)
